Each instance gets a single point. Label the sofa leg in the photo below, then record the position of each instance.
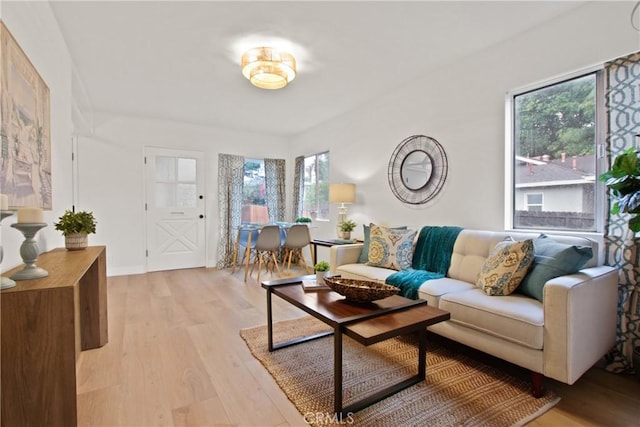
(537, 384)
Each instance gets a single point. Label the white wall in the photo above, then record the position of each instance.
(111, 182)
(36, 31)
(461, 105)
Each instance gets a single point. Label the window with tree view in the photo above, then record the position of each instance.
(555, 130)
(254, 203)
(315, 203)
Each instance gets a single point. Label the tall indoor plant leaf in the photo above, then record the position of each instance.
(623, 181)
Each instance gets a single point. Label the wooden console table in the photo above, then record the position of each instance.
(45, 324)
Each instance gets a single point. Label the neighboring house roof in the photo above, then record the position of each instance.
(586, 164)
(572, 171)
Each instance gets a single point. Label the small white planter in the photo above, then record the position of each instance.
(320, 277)
(345, 235)
(76, 241)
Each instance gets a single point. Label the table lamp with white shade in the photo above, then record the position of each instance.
(343, 194)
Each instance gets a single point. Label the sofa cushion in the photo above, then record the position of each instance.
(433, 290)
(391, 248)
(364, 255)
(507, 265)
(471, 250)
(514, 317)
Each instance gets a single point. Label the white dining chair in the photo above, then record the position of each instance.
(267, 247)
(298, 237)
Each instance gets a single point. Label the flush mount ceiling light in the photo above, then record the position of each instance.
(268, 68)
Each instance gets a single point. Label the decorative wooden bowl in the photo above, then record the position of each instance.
(360, 290)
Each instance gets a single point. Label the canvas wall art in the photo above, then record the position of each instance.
(25, 150)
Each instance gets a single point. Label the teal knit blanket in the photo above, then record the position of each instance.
(409, 281)
(431, 259)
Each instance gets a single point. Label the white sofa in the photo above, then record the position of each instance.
(560, 338)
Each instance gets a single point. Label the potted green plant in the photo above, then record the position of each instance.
(75, 227)
(346, 227)
(303, 220)
(322, 267)
(623, 179)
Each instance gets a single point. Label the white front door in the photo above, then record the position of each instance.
(174, 209)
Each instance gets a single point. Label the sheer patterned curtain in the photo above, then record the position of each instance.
(274, 180)
(230, 183)
(621, 245)
(298, 187)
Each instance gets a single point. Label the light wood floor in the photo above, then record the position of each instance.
(175, 358)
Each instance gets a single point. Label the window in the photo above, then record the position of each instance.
(534, 202)
(254, 203)
(315, 200)
(176, 184)
(554, 165)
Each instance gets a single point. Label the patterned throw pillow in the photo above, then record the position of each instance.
(364, 255)
(507, 265)
(390, 248)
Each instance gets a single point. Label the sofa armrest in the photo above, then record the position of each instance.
(580, 317)
(344, 254)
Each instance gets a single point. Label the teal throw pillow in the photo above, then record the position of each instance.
(364, 255)
(552, 259)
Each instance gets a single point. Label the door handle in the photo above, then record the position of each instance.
(201, 216)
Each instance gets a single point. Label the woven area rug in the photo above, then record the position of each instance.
(458, 390)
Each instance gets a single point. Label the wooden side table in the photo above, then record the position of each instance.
(46, 322)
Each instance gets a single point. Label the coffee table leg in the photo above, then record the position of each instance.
(277, 346)
(343, 411)
(337, 371)
(422, 353)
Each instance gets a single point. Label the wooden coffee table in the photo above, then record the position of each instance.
(365, 323)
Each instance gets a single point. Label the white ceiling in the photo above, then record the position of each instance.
(179, 60)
